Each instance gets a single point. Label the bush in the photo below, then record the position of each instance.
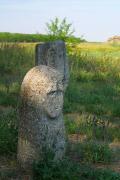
(59, 29)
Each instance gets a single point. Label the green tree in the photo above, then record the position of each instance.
(59, 29)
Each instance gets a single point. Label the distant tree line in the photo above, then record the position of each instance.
(18, 37)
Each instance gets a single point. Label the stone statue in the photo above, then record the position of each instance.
(53, 54)
(41, 123)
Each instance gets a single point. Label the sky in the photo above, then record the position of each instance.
(96, 20)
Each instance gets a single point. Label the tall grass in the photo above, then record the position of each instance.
(15, 61)
(95, 78)
(93, 91)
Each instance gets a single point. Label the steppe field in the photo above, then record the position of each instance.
(91, 111)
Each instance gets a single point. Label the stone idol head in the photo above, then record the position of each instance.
(43, 89)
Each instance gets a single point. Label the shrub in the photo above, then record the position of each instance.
(59, 29)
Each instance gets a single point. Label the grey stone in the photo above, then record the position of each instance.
(53, 54)
(41, 123)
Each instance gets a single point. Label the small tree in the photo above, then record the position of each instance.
(59, 29)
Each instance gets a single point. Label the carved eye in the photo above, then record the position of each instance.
(52, 92)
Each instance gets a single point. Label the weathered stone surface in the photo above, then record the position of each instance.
(41, 123)
(53, 54)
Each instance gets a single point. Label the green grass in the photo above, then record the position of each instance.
(91, 152)
(18, 37)
(91, 105)
(8, 131)
(67, 170)
(93, 127)
(95, 79)
(94, 86)
(94, 76)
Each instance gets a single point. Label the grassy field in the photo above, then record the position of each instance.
(91, 107)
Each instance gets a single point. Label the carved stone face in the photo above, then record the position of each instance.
(54, 101)
(43, 87)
